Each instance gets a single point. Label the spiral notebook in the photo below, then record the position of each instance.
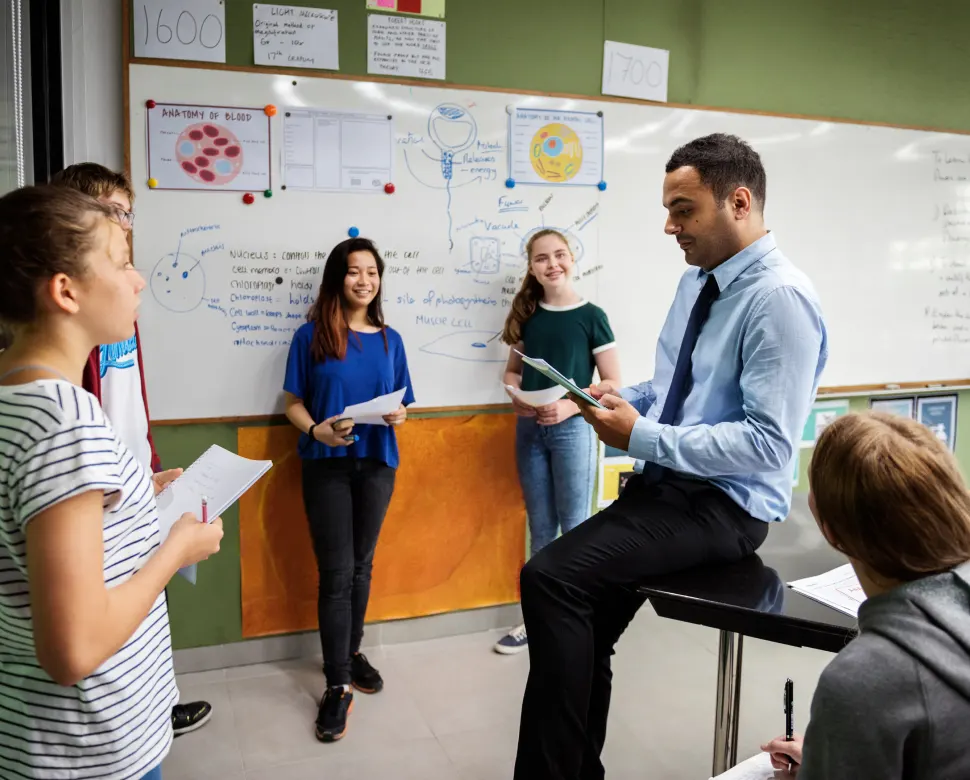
(219, 475)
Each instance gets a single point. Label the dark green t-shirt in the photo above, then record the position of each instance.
(568, 338)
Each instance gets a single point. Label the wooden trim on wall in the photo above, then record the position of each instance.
(893, 387)
(280, 419)
(305, 73)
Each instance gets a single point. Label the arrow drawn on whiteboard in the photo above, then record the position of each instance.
(419, 180)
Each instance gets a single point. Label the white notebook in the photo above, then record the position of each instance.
(219, 475)
(838, 589)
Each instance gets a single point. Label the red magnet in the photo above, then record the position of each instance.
(149, 104)
(389, 188)
(270, 110)
(248, 198)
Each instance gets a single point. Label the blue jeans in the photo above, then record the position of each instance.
(155, 774)
(557, 468)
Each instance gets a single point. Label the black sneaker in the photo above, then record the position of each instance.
(336, 706)
(191, 716)
(365, 677)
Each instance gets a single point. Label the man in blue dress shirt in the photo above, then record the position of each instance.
(714, 434)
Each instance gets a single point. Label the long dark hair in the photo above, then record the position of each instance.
(527, 298)
(329, 311)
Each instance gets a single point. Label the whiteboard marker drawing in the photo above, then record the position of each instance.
(470, 346)
(178, 282)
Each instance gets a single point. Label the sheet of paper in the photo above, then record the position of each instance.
(434, 8)
(218, 148)
(635, 71)
(755, 768)
(548, 146)
(538, 397)
(295, 37)
(405, 46)
(337, 151)
(180, 29)
(549, 372)
(839, 589)
(372, 412)
(219, 475)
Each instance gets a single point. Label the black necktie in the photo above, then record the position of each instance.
(680, 382)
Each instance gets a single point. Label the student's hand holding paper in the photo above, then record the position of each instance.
(332, 434)
(520, 407)
(193, 541)
(783, 752)
(162, 479)
(555, 413)
(398, 416)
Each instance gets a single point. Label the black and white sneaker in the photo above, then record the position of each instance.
(365, 677)
(337, 704)
(191, 716)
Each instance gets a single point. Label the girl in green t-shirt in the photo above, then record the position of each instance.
(555, 449)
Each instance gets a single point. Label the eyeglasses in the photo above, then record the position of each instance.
(125, 218)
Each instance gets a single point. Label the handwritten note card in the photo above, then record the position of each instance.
(405, 46)
(635, 71)
(295, 37)
(180, 29)
(434, 8)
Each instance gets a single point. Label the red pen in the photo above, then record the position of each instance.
(205, 510)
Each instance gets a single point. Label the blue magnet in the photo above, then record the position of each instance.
(601, 186)
(510, 183)
(353, 232)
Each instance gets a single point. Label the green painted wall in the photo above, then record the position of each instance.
(896, 61)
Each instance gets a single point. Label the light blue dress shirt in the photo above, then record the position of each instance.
(755, 372)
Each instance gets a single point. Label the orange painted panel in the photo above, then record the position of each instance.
(454, 536)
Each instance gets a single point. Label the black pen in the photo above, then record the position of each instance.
(789, 717)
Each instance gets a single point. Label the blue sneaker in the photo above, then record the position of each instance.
(513, 642)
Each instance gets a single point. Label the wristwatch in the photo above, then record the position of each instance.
(310, 430)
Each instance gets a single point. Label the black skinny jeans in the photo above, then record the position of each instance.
(345, 501)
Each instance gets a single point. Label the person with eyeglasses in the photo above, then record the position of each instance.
(115, 375)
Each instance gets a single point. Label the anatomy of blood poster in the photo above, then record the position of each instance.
(219, 148)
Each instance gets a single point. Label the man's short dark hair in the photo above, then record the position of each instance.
(724, 163)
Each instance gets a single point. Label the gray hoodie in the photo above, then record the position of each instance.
(895, 704)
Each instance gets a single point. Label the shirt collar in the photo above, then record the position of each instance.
(733, 267)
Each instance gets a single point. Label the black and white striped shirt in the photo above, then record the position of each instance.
(56, 443)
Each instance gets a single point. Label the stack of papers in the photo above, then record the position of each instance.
(372, 412)
(756, 768)
(550, 373)
(219, 475)
(839, 589)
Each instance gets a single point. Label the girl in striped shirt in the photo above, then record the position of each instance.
(86, 678)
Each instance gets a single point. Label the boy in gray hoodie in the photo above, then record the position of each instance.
(896, 702)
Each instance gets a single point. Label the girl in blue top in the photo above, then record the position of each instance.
(345, 355)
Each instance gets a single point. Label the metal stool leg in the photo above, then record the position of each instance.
(728, 702)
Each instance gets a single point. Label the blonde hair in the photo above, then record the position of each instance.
(891, 495)
(527, 298)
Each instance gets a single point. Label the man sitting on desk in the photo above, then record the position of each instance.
(714, 432)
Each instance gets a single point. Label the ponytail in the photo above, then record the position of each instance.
(523, 306)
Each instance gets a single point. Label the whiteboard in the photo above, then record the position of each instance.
(878, 217)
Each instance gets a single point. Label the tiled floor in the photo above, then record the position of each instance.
(450, 711)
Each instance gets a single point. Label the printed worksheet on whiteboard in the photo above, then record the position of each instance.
(337, 151)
